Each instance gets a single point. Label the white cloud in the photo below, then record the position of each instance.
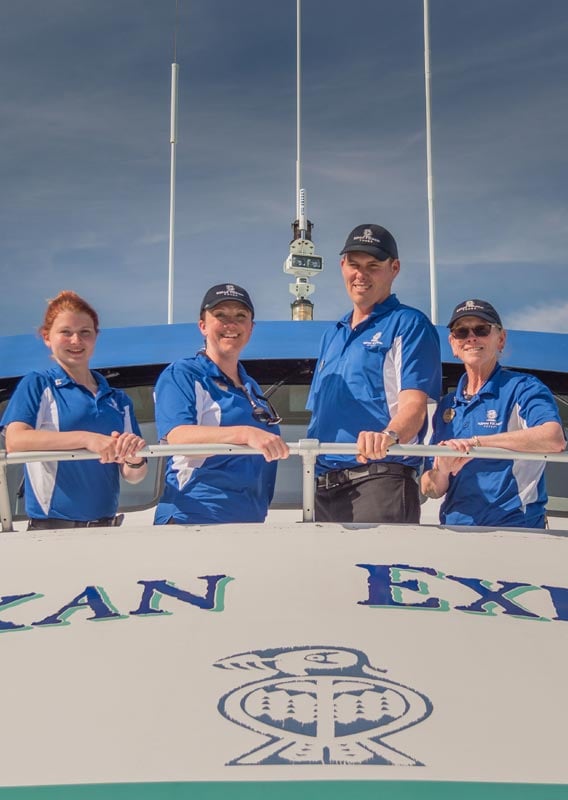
(154, 238)
(543, 317)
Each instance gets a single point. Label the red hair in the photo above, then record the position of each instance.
(67, 301)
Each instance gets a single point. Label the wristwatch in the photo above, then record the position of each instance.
(139, 465)
(392, 435)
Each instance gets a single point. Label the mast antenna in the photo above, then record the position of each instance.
(298, 107)
(430, 179)
(173, 144)
(302, 261)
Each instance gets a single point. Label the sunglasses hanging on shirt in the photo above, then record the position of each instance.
(265, 414)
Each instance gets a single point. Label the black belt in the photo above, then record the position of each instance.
(50, 523)
(340, 477)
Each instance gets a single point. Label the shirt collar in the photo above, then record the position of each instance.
(62, 378)
(379, 310)
(490, 387)
(104, 386)
(216, 372)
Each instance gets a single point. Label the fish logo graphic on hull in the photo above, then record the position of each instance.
(320, 705)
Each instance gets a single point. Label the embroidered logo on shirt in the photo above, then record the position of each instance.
(113, 404)
(491, 420)
(375, 340)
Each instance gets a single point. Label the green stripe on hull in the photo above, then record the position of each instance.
(293, 790)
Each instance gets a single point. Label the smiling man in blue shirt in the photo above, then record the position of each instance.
(378, 368)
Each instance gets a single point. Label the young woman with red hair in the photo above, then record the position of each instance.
(71, 407)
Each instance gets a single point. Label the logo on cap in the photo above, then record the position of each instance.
(469, 305)
(367, 237)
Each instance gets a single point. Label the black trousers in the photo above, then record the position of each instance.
(51, 523)
(374, 498)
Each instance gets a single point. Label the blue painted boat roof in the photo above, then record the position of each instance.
(161, 344)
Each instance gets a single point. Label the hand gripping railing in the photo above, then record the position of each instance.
(307, 449)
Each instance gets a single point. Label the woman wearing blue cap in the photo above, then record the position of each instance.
(210, 399)
(491, 407)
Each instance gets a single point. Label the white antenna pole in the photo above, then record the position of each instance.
(302, 214)
(173, 143)
(299, 110)
(427, 78)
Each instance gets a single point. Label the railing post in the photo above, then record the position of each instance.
(5, 509)
(307, 449)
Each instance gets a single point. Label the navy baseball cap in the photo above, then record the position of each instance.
(224, 292)
(372, 239)
(475, 308)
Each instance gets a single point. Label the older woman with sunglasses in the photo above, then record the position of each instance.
(210, 399)
(492, 407)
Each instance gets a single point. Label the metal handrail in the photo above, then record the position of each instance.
(307, 449)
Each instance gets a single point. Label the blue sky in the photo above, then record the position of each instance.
(84, 151)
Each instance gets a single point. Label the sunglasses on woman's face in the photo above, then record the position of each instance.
(481, 331)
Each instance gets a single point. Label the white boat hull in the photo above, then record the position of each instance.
(286, 653)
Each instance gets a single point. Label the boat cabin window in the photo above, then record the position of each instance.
(290, 402)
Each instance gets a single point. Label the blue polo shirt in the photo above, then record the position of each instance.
(214, 489)
(52, 400)
(361, 372)
(491, 492)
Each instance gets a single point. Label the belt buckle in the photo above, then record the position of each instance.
(338, 477)
(326, 481)
(331, 482)
(343, 477)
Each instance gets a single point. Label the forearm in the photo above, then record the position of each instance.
(409, 417)
(271, 445)
(21, 439)
(434, 483)
(134, 474)
(404, 425)
(546, 438)
(407, 425)
(207, 434)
